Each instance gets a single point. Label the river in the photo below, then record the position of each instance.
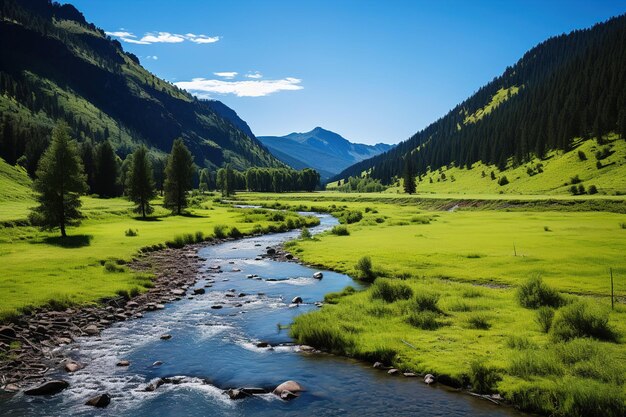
(216, 349)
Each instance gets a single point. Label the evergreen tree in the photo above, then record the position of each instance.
(178, 177)
(203, 186)
(107, 171)
(139, 182)
(60, 181)
(409, 176)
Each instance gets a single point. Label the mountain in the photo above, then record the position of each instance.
(320, 149)
(566, 89)
(55, 65)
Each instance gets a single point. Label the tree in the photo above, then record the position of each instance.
(203, 186)
(60, 181)
(139, 182)
(107, 171)
(178, 177)
(226, 180)
(409, 176)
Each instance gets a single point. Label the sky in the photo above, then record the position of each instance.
(372, 71)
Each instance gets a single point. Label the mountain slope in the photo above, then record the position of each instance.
(320, 149)
(567, 87)
(54, 65)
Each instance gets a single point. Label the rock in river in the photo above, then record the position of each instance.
(123, 363)
(166, 336)
(99, 401)
(48, 388)
(318, 275)
(72, 366)
(289, 389)
(198, 291)
(429, 379)
(296, 300)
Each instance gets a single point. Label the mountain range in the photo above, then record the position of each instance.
(54, 65)
(325, 151)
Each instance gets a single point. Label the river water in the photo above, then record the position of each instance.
(215, 349)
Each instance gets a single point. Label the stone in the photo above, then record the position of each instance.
(307, 348)
(99, 401)
(378, 365)
(178, 291)
(254, 390)
(236, 394)
(318, 275)
(429, 379)
(166, 336)
(48, 388)
(198, 291)
(249, 276)
(409, 374)
(157, 363)
(72, 367)
(393, 371)
(7, 333)
(123, 362)
(92, 330)
(271, 251)
(291, 386)
(287, 395)
(296, 300)
(216, 307)
(262, 345)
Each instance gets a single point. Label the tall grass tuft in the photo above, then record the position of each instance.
(390, 291)
(535, 293)
(581, 320)
(544, 318)
(364, 269)
(483, 377)
(425, 320)
(329, 337)
(219, 230)
(479, 322)
(340, 230)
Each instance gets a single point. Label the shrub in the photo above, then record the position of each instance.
(535, 293)
(622, 225)
(580, 320)
(351, 216)
(364, 269)
(546, 229)
(593, 189)
(582, 156)
(305, 233)
(111, 266)
(575, 180)
(420, 219)
(235, 233)
(390, 291)
(482, 377)
(599, 165)
(503, 180)
(544, 318)
(131, 232)
(219, 230)
(581, 189)
(425, 320)
(340, 231)
(573, 190)
(199, 236)
(426, 302)
(479, 322)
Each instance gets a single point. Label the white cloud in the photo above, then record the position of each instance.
(203, 87)
(254, 75)
(162, 37)
(226, 74)
(152, 57)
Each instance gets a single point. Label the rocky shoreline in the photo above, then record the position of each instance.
(29, 345)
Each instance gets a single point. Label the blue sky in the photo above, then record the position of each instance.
(373, 71)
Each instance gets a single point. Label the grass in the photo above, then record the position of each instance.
(86, 266)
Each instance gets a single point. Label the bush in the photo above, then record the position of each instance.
(503, 180)
(111, 266)
(305, 233)
(478, 322)
(426, 302)
(535, 293)
(364, 269)
(390, 291)
(425, 320)
(622, 225)
(573, 190)
(199, 236)
(581, 189)
(599, 165)
(544, 318)
(580, 320)
(482, 377)
(235, 233)
(575, 180)
(592, 189)
(582, 156)
(219, 230)
(131, 232)
(351, 216)
(340, 231)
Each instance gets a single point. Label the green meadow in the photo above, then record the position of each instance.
(445, 299)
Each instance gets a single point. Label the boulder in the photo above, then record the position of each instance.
(166, 336)
(292, 387)
(99, 401)
(73, 366)
(287, 395)
(123, 362)
(288, 256)
(378, 365)
(271, 251)
(48, 388)
(409, 374)
(7, 333)
(393, 371)
(236, 394)
(178, 292)
(429, 379)
(318, 275)
(157, 363)
(92, 330)
(198, 291)
(262, 345)
(296, 300)
(216, 307)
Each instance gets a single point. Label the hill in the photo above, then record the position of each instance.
(320, 149)
(55, 65)
(563, 91)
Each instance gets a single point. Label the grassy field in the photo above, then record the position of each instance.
(462, 319)
(38, 267)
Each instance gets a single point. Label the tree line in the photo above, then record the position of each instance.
(276, 180)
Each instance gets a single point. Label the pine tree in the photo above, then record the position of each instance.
(409, 176)
(107, 171)
(139, 182)
(60, 181)
(178, 177)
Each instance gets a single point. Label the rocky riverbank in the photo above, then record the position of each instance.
(29, 345)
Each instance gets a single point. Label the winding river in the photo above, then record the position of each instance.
(216, 349)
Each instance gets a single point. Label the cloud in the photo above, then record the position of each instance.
(152, 57)
(254, 75)
(203, 87)
(162, 37)
(226, 74)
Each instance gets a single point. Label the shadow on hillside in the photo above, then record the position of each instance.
(192, 215)
(73, 241)
(148, 219)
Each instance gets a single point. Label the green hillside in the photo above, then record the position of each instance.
(16, 195)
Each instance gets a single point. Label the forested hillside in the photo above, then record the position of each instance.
(56, 66)
(569, 87)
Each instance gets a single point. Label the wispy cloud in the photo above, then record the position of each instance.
(162, 37)
(203, 87)
(254, 75)
(226, 74)
(152, 57)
